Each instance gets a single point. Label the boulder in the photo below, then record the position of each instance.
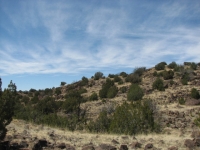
(189, 143)
(105, 147)
(61, 145)
(135, 145)
(173, 148)
(123, 147)
(148, 146)
(192, 102)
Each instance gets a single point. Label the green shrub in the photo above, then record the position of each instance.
(123, 89)
(121, 82)
(139, 71)
(185, 78)
(168, 74)
(195, 93)
(101, 124)
(105, 88)
(158, 84)
(111, 75)
(181, 101)
(58, 91)
(93, 96)
(155, 73)
(193, 66)
(84, 81)
(134, 118)
(179, 68)
(112, 92)
(160, 66)
(133, 78)
(98, 75)
(135, 93)
(117, 78)
(123, 74)
(171, 82)
(172, 65)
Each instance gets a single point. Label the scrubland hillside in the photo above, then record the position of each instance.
(156, 108)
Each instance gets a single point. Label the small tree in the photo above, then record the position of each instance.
(160, 66)
(172, 65)
(195, 94)
(135, 93)
(7, 105)
(98, 75)
(158, 84)
(93, 96)
(62, 83)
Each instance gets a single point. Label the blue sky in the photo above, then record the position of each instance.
(45, 42)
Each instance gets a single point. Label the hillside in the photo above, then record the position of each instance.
(89, 107)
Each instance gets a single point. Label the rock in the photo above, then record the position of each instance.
(192, 102)
(23, 144)
(4, 145)
(173, 148)
(148, 146)
(135, 145)
(115, 142)
(14, 146)
(189, 143)
(61, 145)
(39, 144)
(123, 147)
(88, 147)
(197, 141)
(69, 147)
(105, 147)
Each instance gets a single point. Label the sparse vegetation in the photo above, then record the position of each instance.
(172, 65)
(195, 93)
(160, 66)
(158, 84)
(98, 75)
(181, 101)
(135, 93)
(93, 97)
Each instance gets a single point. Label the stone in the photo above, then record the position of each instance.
(123, 147)
(135, 145)
(189, 143)
(173, 148)
(148, 146)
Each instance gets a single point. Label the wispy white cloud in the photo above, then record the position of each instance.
(75, 37)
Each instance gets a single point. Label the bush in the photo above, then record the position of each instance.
(84, 81)
(133, 78)
(98, 75)
(123, 89)
(139, 71)
(155, 73)
(58, 91)
(185, 78)
(123, 74)
(105, 88)
(158, 84)
(172, 65)
(193, 66)
(111, 75)
(134, 118)
(93, 97)
(112, 92)
(101, 124)
(120, 82)
(135, 93)
(160, 66)
(62, 83)
(181, 101)
(195, 93)
(117, 78)
(179, 68)
(168, 74)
